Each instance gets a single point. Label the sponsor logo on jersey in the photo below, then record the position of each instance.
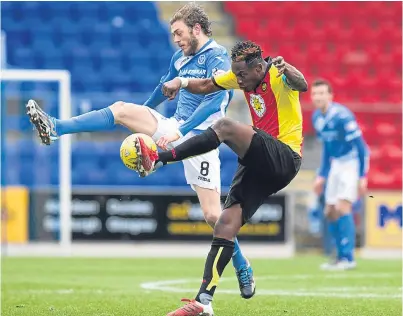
(203, 179)
(192, 72)
(258, 105)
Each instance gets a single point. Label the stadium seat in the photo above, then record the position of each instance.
(89, 34)
(351, 33)
(344, 43)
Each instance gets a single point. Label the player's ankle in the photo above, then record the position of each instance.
(204, 298)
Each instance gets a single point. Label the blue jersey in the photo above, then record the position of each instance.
(195, 111)
(341, 137)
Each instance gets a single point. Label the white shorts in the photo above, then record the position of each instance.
(203, 170)
(342, 183)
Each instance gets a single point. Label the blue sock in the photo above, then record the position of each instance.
(346, 228)
(89, 122)
(238, 260)
(334, 233)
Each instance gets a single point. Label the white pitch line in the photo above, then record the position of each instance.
(336, 275)
(298, 292)
(316, 292)
(167, 286)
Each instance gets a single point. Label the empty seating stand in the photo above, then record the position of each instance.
(355, 45)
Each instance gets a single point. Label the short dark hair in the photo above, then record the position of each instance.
(193, 14)
(323, 82)
(247, 51)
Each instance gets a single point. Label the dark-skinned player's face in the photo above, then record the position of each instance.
(248, 77)
(184, 37)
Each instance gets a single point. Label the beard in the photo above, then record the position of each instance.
(193, 43)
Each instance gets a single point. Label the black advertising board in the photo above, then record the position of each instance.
(99, 216)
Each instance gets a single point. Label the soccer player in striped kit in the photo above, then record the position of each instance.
(269, 152)
(344, 165)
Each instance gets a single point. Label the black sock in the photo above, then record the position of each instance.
(219, 256)
(197, 145)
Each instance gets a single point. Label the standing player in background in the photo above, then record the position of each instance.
(344, 165)
(269, 152)
(198, 57)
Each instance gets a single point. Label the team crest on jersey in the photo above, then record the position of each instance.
(264, 86)
(201, 60)
(258, 105)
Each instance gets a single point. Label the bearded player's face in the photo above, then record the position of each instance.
(183, 37)
(248, 78)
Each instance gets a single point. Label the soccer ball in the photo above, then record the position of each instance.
(130, 149)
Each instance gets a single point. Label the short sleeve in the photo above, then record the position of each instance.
(279, 83)
(226, 80)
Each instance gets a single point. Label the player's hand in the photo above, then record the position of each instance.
(318, 185)
(362, 187)
(279, 63)
(171, 88)
(166, 139)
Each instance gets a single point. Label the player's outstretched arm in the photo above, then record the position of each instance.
(294, 77)
(196, 86)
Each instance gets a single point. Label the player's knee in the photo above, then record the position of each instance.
(223, 230)
(120, 110)
(227, 226)
(211, 217)
(224, 128)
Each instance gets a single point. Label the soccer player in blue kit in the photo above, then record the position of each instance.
(198, 57)
(344, 167)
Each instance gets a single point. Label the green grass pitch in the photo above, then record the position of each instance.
(119, 287)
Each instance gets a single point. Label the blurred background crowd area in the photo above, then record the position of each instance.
(119, 51)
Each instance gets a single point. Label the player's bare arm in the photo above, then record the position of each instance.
(196, 86)
(295, 78)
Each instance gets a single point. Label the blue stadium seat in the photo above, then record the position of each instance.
(97, 25)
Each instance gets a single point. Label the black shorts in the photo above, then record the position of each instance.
(268, 166)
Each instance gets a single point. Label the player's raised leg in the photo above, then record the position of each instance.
(236, 135)
(135, 117)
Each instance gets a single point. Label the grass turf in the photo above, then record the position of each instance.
(119, 287)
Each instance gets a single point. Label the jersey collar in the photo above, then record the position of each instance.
(262, 82)
(206, 47)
